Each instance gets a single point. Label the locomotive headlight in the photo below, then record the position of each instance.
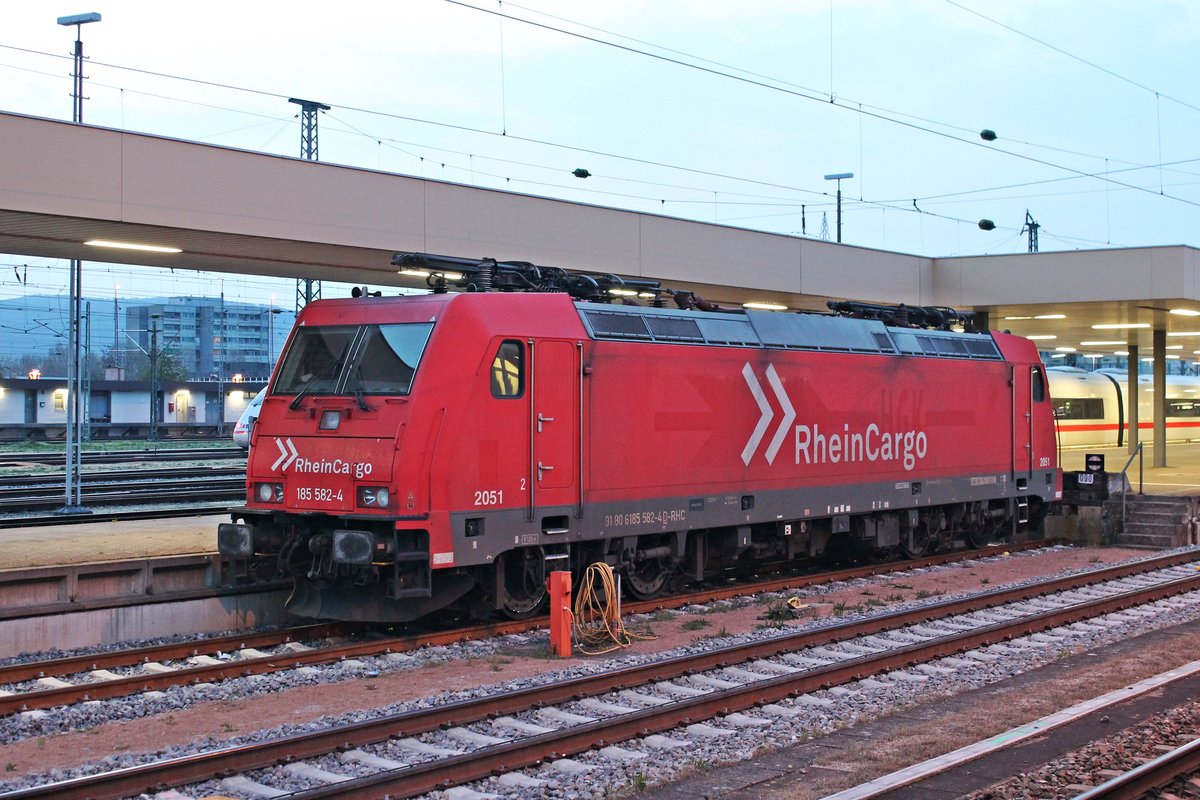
(353, 547)
(235, 541)
(269, 492)
(373, 497)
(361, 547)
(243, 541)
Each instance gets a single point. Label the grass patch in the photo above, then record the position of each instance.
(695, 625)
(529, 651)
(778, 611)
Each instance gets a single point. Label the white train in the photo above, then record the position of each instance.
(1091, 408)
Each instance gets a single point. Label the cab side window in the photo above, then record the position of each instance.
(508, 370)
(1038, 384)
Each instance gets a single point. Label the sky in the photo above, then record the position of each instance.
(717, 111)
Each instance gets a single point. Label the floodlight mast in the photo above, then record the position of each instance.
(76, 364)
(839, 177)
(78, 20)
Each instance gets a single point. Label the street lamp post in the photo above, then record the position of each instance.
(271, 312)
(219, 365)
(153, 354)
(839, 177)
(75, 395)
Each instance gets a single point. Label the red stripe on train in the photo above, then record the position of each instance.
(1112, 426)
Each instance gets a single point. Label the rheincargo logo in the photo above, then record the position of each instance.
(871, 444)
(323, 466)
(289, 456)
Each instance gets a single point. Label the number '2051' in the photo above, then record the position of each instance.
(489, 497)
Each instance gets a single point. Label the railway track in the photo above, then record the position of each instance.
(133, 485)
(13, 484)
(125, 456)
(63, 681)
(1154, 775)
(198, 508)
(659, 703)
(186, 486)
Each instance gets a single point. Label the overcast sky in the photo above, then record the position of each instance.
(720, 111)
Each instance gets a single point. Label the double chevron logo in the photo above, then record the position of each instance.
(287, 454)
(767, 414)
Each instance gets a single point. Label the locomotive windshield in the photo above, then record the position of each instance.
(353, 359)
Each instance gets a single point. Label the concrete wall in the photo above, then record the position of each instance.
(1084, 276)
(12, 405)
(130, 407)
(51, 405)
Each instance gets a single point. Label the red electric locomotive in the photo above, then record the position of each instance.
(414, 453)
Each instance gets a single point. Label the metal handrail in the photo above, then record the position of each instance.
(1137, 452)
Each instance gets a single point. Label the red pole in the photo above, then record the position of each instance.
(560, 614)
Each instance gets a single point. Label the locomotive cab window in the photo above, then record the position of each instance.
(315, 359)
(508, 370)
(1037, 384)
(351, 359)
(388, 359)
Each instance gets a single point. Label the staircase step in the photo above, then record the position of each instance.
(1143, 522)
(1176, 507)
(1155, 541)
(1175, 513)
(1152, 524)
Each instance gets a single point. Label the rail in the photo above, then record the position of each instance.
(1137, 451)
(521, 753)
(1144, 779)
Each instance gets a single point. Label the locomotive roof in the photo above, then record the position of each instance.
(772, 329)
(748, 328)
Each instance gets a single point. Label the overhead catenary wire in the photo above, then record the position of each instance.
(645, 198)
(807, 95)
(768, 83)
(1070, 55)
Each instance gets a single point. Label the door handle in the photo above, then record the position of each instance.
(543, 468)
(542, 419)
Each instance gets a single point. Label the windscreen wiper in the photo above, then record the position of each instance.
(358, 391)
(333, 369)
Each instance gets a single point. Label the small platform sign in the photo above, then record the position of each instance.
(1094, 462)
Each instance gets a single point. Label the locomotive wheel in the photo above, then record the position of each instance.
(522, 588)
(646, 579)
(981, 535)
(916, 543)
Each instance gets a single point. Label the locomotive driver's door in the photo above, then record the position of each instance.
(554, 421)
(1022, 421)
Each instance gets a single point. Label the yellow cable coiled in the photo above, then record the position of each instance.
(598, 628)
